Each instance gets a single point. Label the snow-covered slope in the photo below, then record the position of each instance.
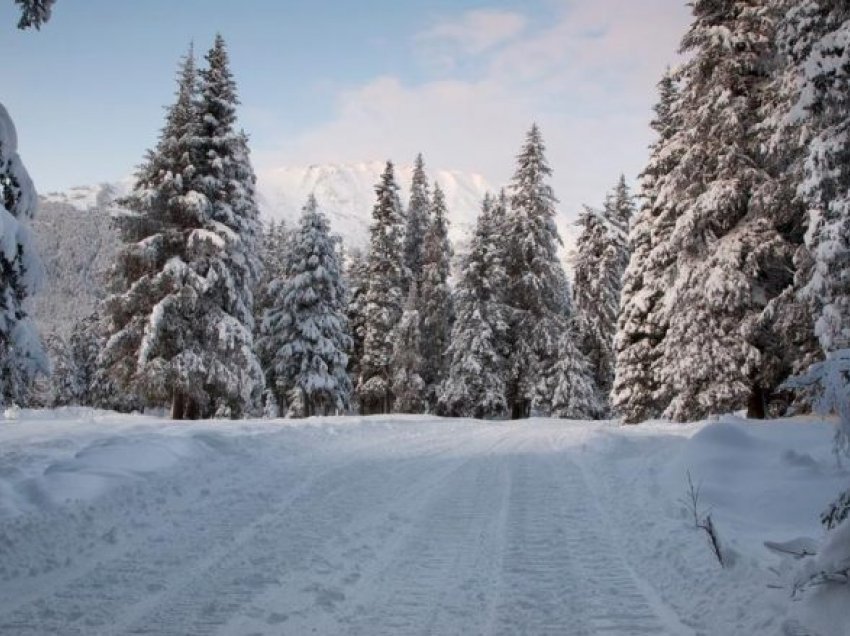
(77, 247)
(345, 192)
(113, 524)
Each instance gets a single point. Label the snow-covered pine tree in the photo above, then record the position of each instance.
(225, 177)
(575, 394)
(383, 303)
(273, 248)
(784, 331)
(731, 257)
(537, 289)
(407, 362)
(435, 301)
(813, 137)
(417, 223)
(75, 365)
(475, 382)
(814, 36)
(22, 355)
(356, 281)
(620, 207)
(151, 343)
(499, 215)
(34, 13)
(637, 392)
(305, 332)
(602, 256)
(180, 318)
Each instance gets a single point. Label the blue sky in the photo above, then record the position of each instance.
(459, 80)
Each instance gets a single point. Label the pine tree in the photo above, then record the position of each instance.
(34, 13)
(814, 37)
(475, 382)
(225, 177)
(22, 355)
(537, 289)
(273, 248)
(181, 316)
(385, 280)
(575, 394)
(356, 281)
(602, 256)
(732, 255)
(154, 298)
(75, 365)
(637, 392)
(436, 297)
(408, 387)
(418, 223)
(719, 253)
(812, 137)
(304, 332)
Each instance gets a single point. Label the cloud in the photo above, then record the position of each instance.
(472, 33)
(587, 77)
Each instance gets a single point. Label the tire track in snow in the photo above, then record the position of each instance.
(616, 600)
(198, 526)
(437, 580)
(293, 547)
(541, 582)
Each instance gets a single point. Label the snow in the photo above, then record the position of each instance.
(404, 524)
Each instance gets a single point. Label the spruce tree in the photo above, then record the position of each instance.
(356, 282)
(575, 394)
(637, 393)
(304, 334)
(719, 252)
(75, 365)
(154, 298)
(811, 128)
(273, 246)
(435, 300)
(34, 13)
(475, 383)
(181, 316)
(732, 255)
(417, 223)
(385, 281)
(602, 256)
(407, 364)
(22, 355)
(813, 36)
(225, 177)
(537, 289)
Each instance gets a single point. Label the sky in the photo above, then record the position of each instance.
(342, 81)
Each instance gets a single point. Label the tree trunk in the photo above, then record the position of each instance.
(519, 410)
(178, 405)
(193, 412)
(756, 407)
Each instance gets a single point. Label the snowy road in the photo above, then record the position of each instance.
(342, 527)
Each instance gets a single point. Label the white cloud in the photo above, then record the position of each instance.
(473, 33)
(588, 78)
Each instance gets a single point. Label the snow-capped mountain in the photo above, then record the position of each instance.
(346, 192)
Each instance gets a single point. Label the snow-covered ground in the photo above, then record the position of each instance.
(404, 525)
